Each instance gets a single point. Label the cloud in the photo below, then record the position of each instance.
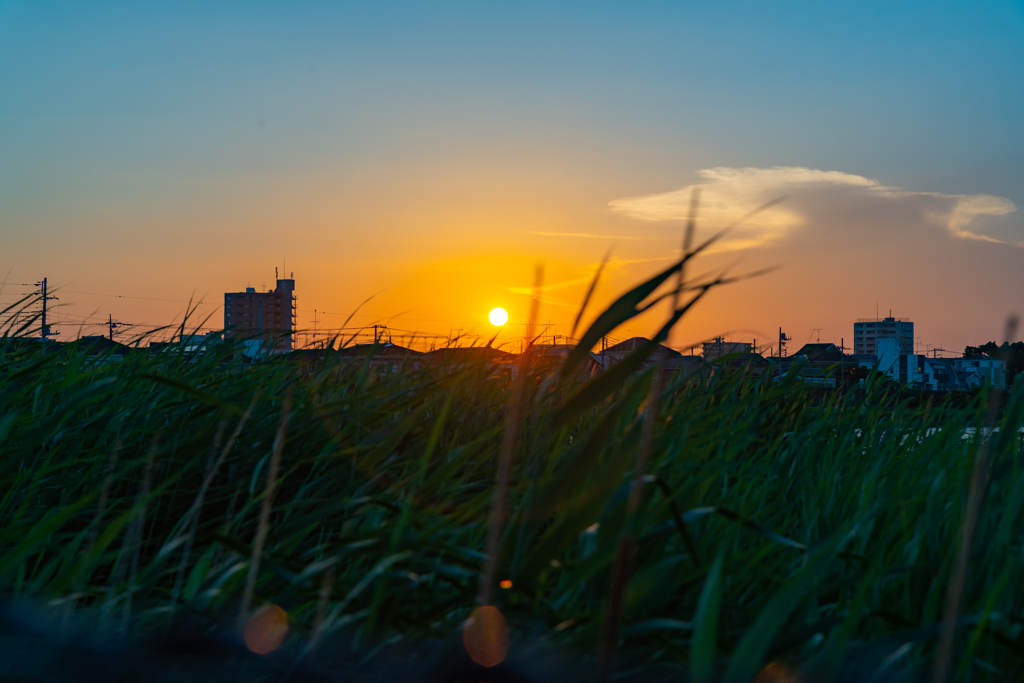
(585, 235)
(727, 194)
(586, 276)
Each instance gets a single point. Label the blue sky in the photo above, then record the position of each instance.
(149, 141)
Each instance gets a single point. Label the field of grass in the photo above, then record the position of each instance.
(818, 532)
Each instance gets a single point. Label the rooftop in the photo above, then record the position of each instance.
(635, 343)
(890, 319)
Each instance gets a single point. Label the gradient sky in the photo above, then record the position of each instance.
(430, 153)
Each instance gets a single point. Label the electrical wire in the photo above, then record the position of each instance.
(125, 296)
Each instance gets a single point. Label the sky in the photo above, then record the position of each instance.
(427, 155)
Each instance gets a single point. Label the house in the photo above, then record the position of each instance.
(688, 365)
(821, 353)
(386, 357)
(553, 355)
(617, 352)
(975, 371)
(718, 347)
(455, 358)
(737, 361)
(99, 349)
(864, 360)
(187, 343)
(939, 374)
(670, 360)
(460, 356)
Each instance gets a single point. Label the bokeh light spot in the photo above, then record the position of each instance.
(266, 629)
(506, 584)
(498, 316)
(485, 636)
(775, 672)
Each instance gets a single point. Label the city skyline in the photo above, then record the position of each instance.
(322, 332)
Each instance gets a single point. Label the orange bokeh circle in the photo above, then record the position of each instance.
(266, 629)
(485, 636)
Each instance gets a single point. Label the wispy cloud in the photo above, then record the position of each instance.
(587, 272)
(584, 235)
(545, 291)
(729, 193)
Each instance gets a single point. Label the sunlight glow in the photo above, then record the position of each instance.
(498, 316)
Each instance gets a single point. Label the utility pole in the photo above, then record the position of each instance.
(111, 324)
(783, 338)
(45, 333)
(842, 359)
(378, 333)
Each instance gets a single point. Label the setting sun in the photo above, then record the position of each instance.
(498, 316)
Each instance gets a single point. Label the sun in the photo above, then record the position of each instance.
(498, 316)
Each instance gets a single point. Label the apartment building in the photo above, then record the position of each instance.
(263, 318)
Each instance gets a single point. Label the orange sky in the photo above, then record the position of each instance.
(430, 158)
(436, 259)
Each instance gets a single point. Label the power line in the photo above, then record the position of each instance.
(126, 296)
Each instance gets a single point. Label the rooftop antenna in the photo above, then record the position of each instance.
(275, 272)
(817, 339)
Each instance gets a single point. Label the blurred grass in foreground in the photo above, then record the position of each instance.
(781, 530)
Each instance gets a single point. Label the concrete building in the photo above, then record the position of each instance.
(266, 319)
(867, 332)
(976, 370)
(718, 347)
(902, 367)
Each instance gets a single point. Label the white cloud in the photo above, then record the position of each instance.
(727, 194)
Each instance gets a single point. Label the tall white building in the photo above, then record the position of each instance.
(867, 332)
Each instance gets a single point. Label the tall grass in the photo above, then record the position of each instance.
(816, 531)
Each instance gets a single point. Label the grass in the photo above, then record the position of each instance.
(815, 531)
